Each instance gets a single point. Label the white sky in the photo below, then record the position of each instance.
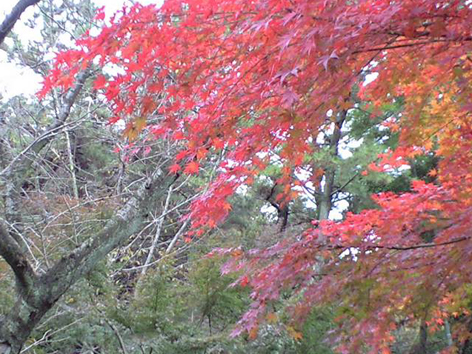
(15, 80)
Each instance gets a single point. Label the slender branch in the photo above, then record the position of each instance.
(424, 245)
(412, 44)
(7, 25)
(401, 248)
(70, 155)
(118, 335)
(177, 235)
(340, 189)
(158, 233)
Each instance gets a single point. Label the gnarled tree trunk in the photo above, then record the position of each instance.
(38, 294)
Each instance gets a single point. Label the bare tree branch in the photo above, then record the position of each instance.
(158, 234)
(177, 235)
(7, 25)
(22, 162)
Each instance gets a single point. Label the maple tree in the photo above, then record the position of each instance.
(247, 78)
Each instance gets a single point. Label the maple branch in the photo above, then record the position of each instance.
(388, 47)
(7, 25)
(423, 245)
(401, 248)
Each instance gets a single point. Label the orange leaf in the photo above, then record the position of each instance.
(253, 332)
(192, 168)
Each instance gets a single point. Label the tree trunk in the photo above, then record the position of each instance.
(18, 325)
(324, 201)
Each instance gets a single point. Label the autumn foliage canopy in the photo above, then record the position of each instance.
(245, 78)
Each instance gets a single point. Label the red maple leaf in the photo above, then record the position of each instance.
(174, 168)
